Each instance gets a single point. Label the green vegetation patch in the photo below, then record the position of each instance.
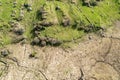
(64, 34)
(78, 15)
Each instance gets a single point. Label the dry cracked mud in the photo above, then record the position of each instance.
(95, 59)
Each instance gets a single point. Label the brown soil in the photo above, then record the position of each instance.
(95, 59)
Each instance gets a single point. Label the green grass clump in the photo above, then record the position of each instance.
(64, 34)
(4, 34)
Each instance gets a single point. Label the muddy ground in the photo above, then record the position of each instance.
(95, 59)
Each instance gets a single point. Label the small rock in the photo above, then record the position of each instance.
(32, 55)
(5, 53)
(26, 5)
(38, 27)
(46, 23)
(12, 15)
(57, 8)
(66, 21)
(73, 1)
(14, 11)
(18, 39)
(20, 18)
(35, 41)
(54, 42)
(14, 4)
(90, 37)
(18, 31)
(29, 9)
(14, 24)
(36, 33)
(43, 43)
(43, 38)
